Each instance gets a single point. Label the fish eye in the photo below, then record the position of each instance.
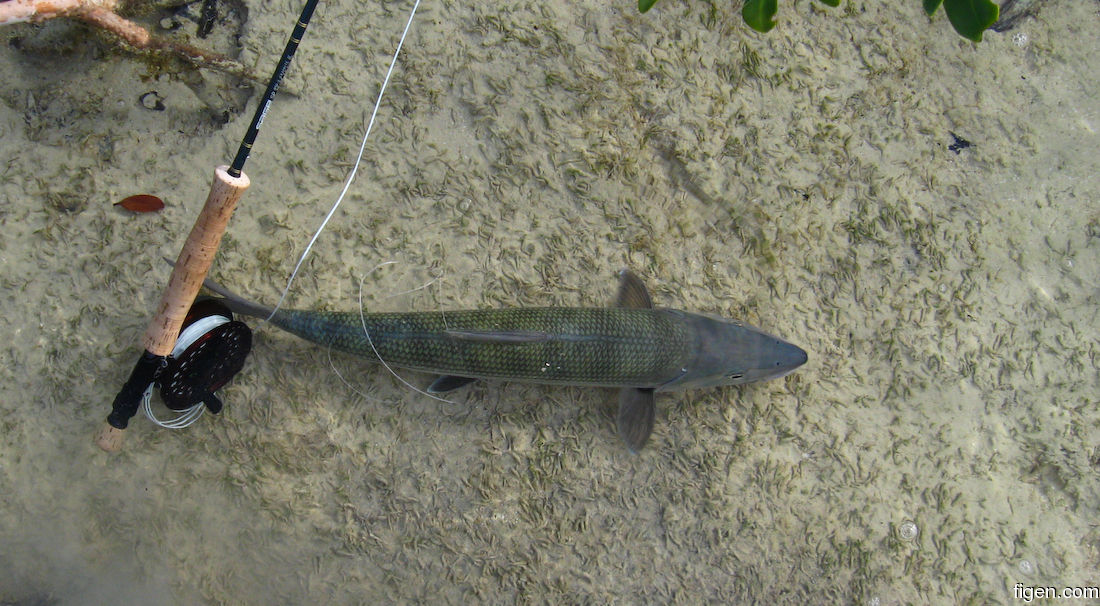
(734, 375)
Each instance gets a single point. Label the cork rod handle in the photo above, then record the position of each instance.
(194, 261)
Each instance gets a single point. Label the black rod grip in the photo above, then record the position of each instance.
(128, 399)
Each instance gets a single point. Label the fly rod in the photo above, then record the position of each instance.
(191, 267)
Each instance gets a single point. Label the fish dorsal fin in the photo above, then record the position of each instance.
(632, 291)
(635, 420)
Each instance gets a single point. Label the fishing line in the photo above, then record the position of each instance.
(347, 383)
(332, 364)
(366, 333)
(185, 418)
(354, 168)
(404, 292)
(332, 212)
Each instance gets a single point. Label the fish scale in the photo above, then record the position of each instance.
(553, 345)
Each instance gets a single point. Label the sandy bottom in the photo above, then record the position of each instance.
(941, 446)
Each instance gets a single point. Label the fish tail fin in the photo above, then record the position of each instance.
(232, 300)
(237, 303)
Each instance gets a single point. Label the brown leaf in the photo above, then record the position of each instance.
(142, 203)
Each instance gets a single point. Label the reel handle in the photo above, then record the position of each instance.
(190, 270)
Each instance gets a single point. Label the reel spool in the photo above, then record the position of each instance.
(210, 350)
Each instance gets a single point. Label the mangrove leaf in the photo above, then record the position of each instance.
(760, 14)
(969, 17)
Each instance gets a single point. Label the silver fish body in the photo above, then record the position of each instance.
(658, 349)
(634, 346)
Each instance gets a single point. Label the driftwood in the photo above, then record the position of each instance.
(101, 14)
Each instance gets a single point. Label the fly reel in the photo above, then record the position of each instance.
(210, 350)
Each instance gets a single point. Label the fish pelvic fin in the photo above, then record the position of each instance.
(637, 409)
(449, 383)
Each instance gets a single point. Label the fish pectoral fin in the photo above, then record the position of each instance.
(447, 383)
(636, 412)
(632, 291)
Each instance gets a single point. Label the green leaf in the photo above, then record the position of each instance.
(759, 14)
(832, 3)
(644, 5)
(930, 6)
(970, 17)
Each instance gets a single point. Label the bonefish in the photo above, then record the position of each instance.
(633, 346)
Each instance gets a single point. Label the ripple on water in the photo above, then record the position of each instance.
(1026, 567)
(908, 531)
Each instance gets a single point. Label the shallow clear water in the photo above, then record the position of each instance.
(940, 446)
